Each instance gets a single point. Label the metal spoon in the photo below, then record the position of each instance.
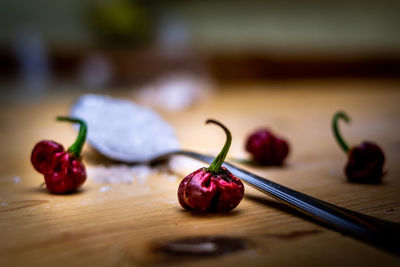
(378, 232)
(104, 114)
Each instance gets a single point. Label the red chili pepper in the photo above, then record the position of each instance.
(365, 161)
(214, 188)
(266, 148)
(63, 170)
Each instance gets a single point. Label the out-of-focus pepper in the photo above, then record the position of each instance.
(214, 188)
(63, 170)
(365, 161)
(266, 148)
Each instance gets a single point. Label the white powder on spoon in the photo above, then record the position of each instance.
(122, 130)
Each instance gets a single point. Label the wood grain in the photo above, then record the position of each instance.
(142, 224)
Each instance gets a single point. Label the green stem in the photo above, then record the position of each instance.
(76, 147)
(340, 115)
(215, 166)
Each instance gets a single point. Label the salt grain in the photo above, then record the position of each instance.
(120, 174)
(4, 204)
(125, 174)
(17, 179)
(104, 189)
(169, 177)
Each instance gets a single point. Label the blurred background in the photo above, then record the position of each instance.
(46, 45)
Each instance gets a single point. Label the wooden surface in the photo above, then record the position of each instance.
(141, 224)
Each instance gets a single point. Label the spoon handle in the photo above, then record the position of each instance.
(378, 232)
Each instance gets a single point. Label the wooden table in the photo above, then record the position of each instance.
(142, 224)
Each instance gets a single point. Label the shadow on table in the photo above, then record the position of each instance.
(270, 203)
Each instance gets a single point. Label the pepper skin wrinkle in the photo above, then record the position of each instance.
(43, 153)
(365, 161)
(266, 148)
(212, 189)
(63, 170)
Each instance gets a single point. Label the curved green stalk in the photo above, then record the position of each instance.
(77, 146)
(215, 166)
(340, 115)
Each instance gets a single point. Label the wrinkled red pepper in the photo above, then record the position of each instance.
(214, 188)
(266, 148)
(63, 170)
(365, 161)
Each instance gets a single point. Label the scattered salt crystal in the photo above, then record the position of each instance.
(4, 204)
(125, 174)
(123, 130)
(169, 177)
(142, 173)
(120, 174)
(17, 179)
(104, 189)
